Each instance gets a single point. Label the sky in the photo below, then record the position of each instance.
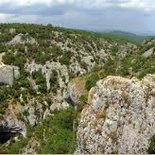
(136, 16)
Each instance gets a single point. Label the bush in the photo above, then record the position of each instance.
(91, 81)
(40, 80)
(65, 59)
(151, 149)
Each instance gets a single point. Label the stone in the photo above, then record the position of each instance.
(119, 117)
(149, 53)
(55, 106)
(32, 118)
(1, 57)
(12, 30)
(18, 39)
(11, 120)
(8, 74)
(89, 60)
(103, 55)
(75, 89)
(47, 70)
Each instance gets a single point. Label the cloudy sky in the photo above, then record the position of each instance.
(136, 16)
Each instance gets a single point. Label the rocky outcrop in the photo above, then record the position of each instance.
(149, 53)
(7, 133)
(12, 30)
(1, 57)
(47, 70)
(119, 116)
(22, 39)
(76, 88)
(8, 74)
(11, 120)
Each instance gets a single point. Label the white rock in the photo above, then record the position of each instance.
(125, 124)
(149, 53)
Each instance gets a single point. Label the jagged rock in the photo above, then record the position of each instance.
(1, 57)
(18, 39)
(89, 60)
(11, 120)
(33, 83)
(149, 53)
(34, 111)
(119, 116)
(48, 69)
(32, 117)
(76, 88)
(7, 133)
(59, 106)
(12, 30)
(55, 106)
(77, 69)
(103, 55)
(46, 113)
(8, 74)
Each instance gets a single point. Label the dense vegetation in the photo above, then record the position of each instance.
(58, 133)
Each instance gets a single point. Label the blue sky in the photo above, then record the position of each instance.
(136, 16)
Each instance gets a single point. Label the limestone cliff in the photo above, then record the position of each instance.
(119, 116)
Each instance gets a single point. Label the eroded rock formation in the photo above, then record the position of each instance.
(8, 74)
(119, 116)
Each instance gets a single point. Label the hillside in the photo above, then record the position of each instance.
(126, 36)
(46, 73)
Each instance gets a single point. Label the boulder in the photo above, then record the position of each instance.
(12, 30)
(8, 74)
(119, 117)
(76, 88)
(21, 39)
(11, 121)
(149, 53)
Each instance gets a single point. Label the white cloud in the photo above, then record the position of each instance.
(5, 17)
(144, 5)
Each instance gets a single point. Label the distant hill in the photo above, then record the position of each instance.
(121, 36)
(127, 36)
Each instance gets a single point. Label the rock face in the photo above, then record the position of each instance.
(48, 69)
(7, 133)
(149, 53)
(10, 118)
(76, 88)
(119, 116)
(8, 74)
(18, 39)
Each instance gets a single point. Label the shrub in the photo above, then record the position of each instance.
(40, 80)
(65, 59)
(151, 149)
(91, 81)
